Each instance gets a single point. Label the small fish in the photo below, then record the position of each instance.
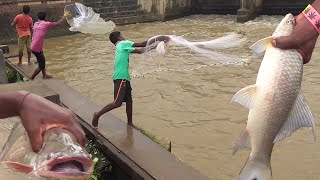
(277, 106)
(60, 157)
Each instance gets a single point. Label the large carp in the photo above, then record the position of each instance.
(277, 106)
(61, 157)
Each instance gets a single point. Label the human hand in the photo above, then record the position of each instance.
(66, 13)
(39, 115)
(303, 38)
(163, 38)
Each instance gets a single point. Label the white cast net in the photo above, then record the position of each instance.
(83, 19)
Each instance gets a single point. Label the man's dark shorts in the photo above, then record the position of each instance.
(41, 59)
(122, 91)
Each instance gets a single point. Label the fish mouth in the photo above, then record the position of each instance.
(68, 167)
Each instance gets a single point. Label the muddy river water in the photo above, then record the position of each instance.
(189, 102)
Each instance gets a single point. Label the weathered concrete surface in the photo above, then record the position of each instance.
(141, 157)
(3, 69)
(249, 9)
(145, 153)
(281, 7)
(134, 11)
(167, 9)
(215, 6)
(33, 87)
(10, 8)
(24, 69)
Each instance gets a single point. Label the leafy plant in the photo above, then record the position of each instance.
(101, 164)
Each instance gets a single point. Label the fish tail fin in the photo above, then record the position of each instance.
(255, 170)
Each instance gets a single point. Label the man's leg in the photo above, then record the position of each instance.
(35, 73)
(128, 98)
(104, 110)
(42, 66)
(40, 59)
(20, 46)
(28, 44)
(119, 95)
(129, 113)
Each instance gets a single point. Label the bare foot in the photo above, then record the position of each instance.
(47, 77)
(95, 120)
(136, 127)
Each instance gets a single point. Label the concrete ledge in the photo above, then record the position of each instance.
(33, 87)
(137, 155)
(148, 159)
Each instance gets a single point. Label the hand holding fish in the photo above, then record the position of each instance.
(39, 115)
(303, 37)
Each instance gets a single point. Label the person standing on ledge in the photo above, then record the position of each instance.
(121, 76)
(24, 24)
(39, 31)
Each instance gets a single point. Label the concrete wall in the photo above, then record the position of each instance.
(133, 11)
(281, 7)
(119, 11)
(9, 9)
(167, 9)
(216, 6)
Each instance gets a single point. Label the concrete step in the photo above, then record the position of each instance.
(218, 10)
(122, 14)
(283, 9)
(117, 9)
(109, 3)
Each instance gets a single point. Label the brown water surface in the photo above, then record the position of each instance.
(188, 101)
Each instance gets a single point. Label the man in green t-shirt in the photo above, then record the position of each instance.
(121, 76)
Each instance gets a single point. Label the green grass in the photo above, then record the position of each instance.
(101, 164)
(163, 142)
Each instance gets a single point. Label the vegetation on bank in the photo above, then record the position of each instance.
(14, 76)
(102, 166)
(165, 143)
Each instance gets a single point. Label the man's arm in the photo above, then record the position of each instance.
(151, 41)
(14, 22)
(61, 20)
(38, 115)
(10, 103)
(141, 44)
(138, 50)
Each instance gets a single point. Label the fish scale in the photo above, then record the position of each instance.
(277, 106)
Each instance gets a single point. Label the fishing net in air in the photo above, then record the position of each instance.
(83, 19)
(180, 54)
(211, 49)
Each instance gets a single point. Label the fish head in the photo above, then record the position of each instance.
(286, 26)
(62, 157)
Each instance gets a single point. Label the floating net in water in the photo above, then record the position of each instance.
(83, 19)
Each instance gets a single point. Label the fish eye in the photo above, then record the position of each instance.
(290, 22)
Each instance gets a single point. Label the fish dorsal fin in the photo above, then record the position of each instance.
(261, 45)
(300, 116)
(245, 96)
(19, 167)
(256, 55)
(242, 142)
